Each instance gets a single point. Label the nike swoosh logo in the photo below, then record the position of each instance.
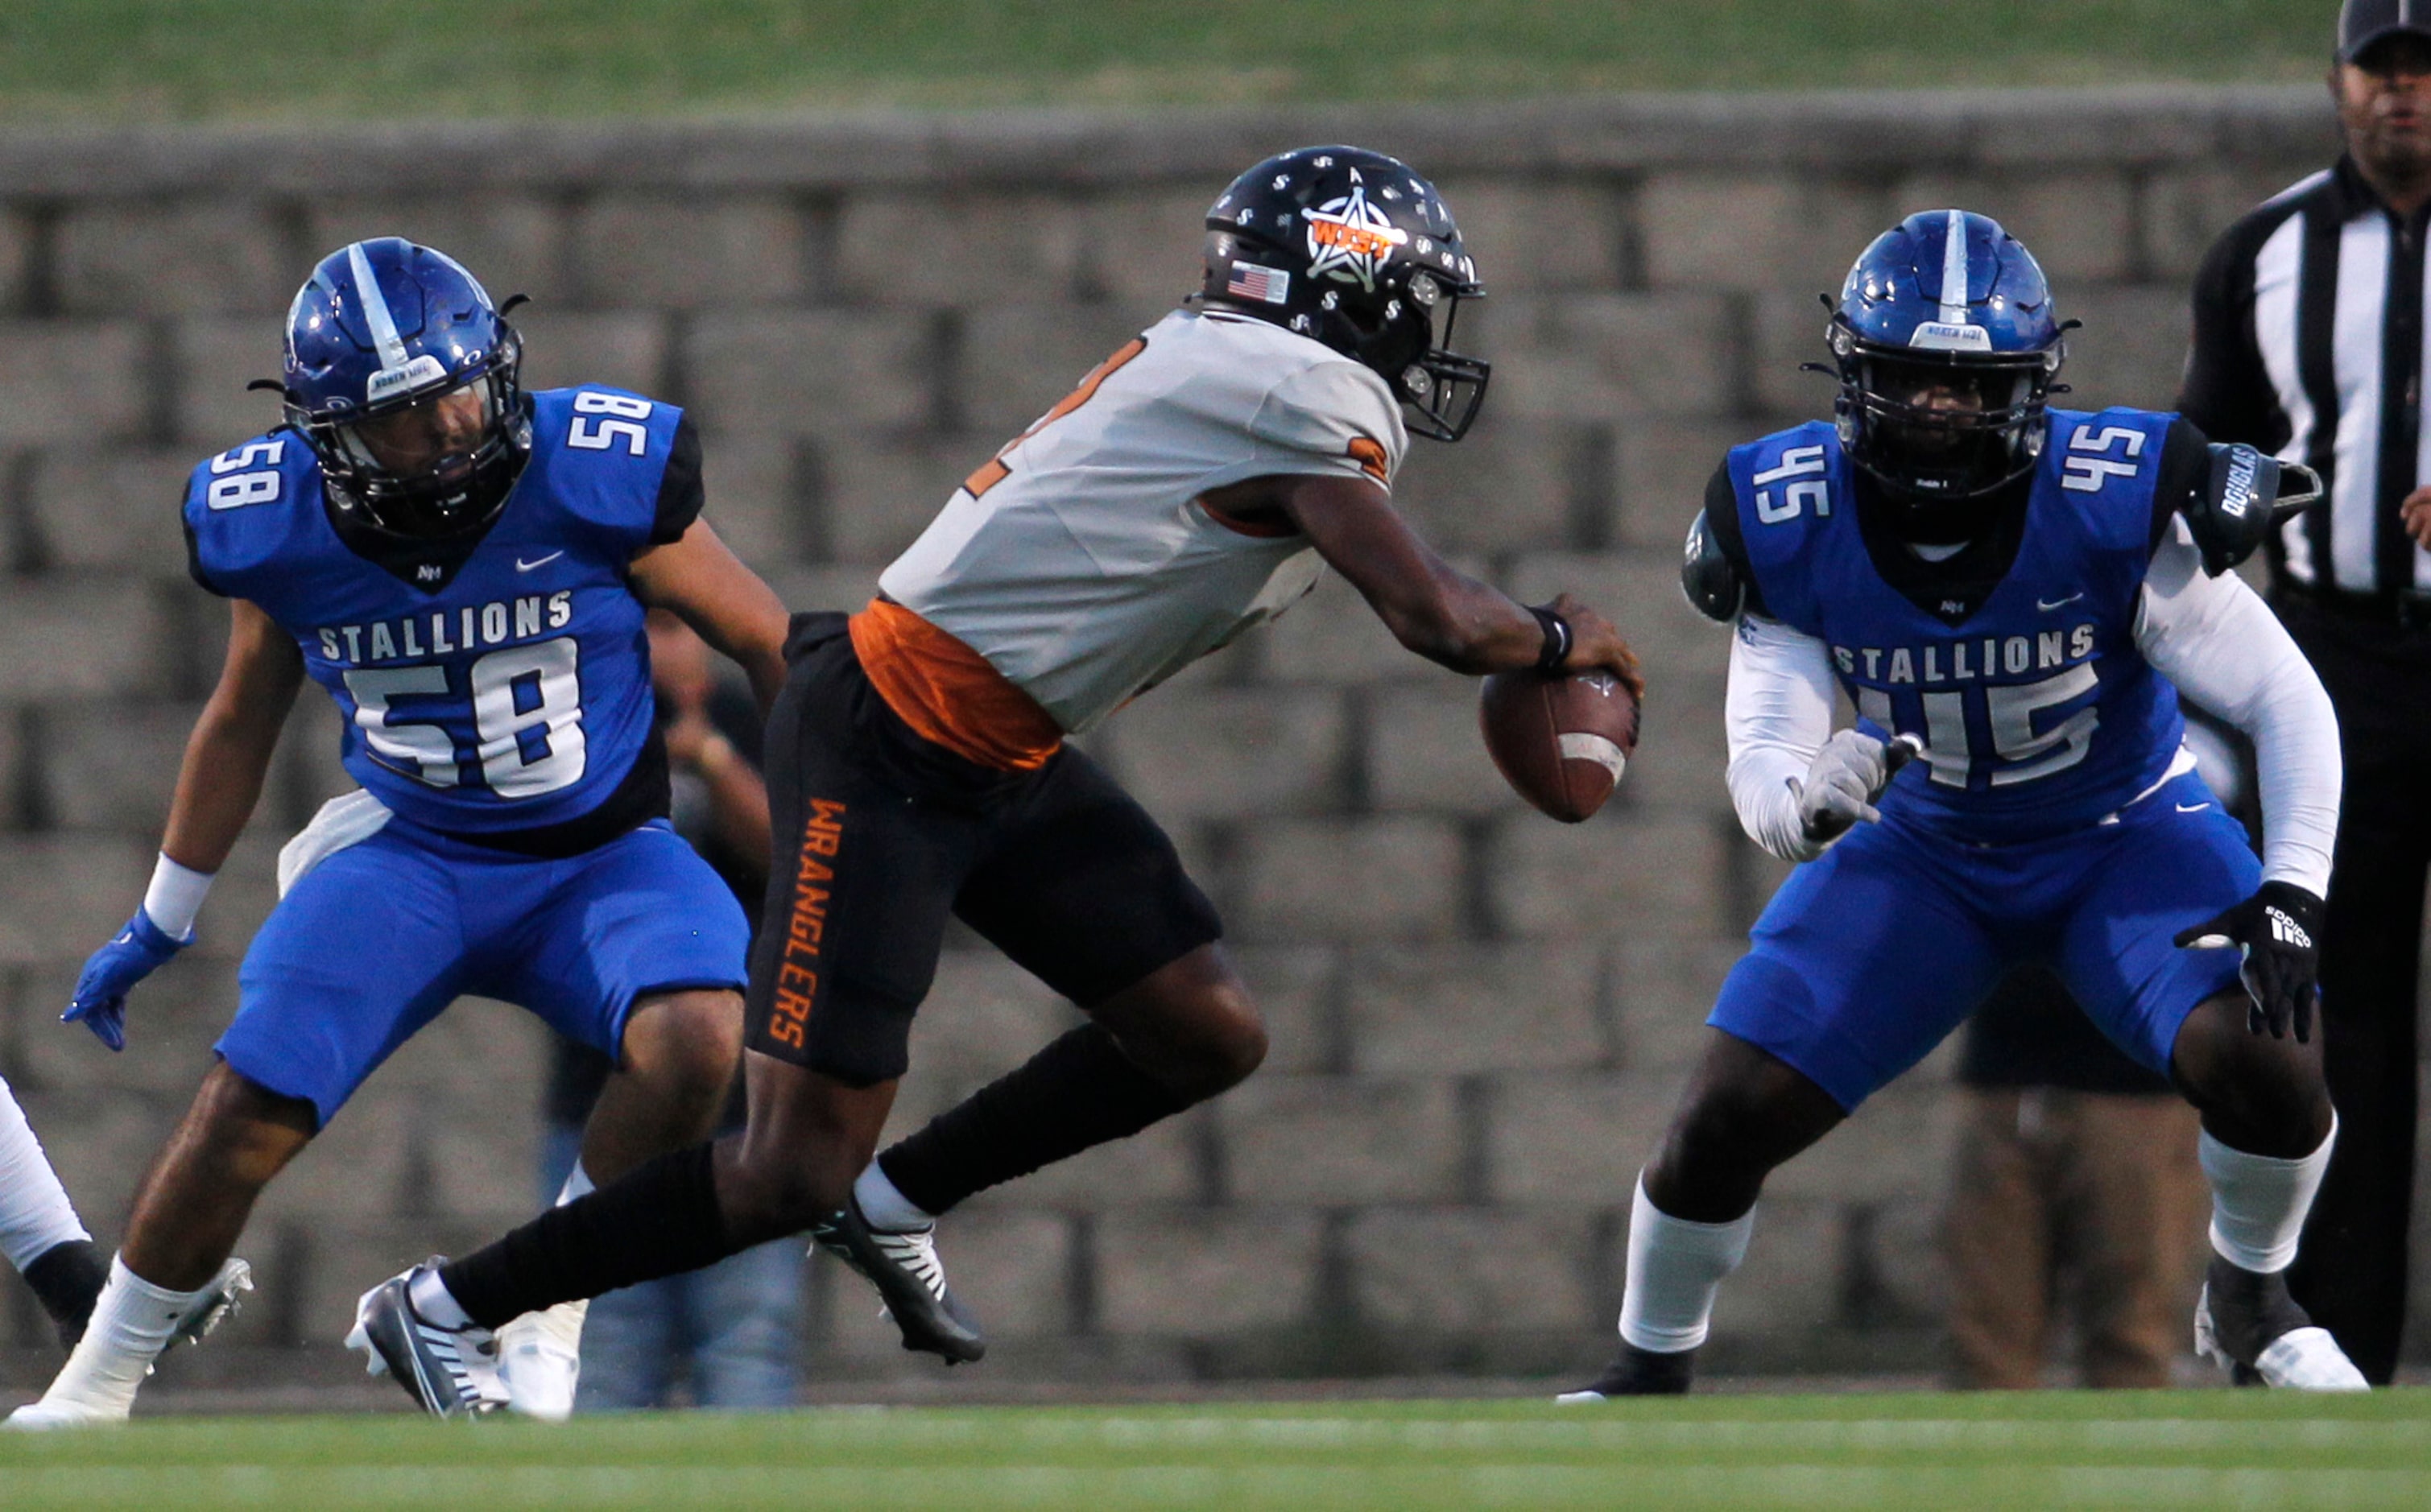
(521, 565)
(2192, 808)
(2057, 603)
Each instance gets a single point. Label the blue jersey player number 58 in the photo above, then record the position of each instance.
(527, 720)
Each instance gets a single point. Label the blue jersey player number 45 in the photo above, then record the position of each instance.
(2009, 690)
(2018, 597)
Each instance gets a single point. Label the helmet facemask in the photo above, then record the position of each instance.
(1940, 427)
(409, 466)
(1440, 389)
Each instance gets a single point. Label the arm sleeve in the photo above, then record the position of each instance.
(2226, 392)
(1777, 714)
(1337, 416)
(2228, 655)
(1723, 523)
(680, 495)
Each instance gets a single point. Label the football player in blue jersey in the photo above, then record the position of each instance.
(463, 565)
(2016, 596)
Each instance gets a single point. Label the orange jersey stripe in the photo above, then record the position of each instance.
(948, 693)
(1369, 455)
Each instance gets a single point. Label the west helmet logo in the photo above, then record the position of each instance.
(1352, 240)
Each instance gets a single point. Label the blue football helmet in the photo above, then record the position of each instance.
(1946, 346)
(380, 340)
(1351, 248)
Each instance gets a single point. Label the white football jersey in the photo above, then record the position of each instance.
(1079, 563)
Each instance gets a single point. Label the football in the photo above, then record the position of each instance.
(1561, 740)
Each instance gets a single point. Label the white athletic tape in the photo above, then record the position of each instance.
(1596, 748)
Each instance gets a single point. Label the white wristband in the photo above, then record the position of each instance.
(174, 897)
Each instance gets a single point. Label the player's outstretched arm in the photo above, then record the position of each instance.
(2227, 654)
(219, 782)
(725, 603)
(1796, 784)
(228, 754)
(1441, 614)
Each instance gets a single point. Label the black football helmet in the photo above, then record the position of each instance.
(1350, 248)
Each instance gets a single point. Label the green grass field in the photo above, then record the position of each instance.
(2198, 1449)
(118, 60)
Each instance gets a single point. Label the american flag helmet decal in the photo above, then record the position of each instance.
(1270, 286)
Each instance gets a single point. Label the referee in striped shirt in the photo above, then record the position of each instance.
(2309, 342)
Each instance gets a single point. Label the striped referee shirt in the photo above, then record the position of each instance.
(2308, 343)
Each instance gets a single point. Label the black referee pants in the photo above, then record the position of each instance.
(2351, 1275)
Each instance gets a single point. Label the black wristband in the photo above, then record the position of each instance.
(1558, 639)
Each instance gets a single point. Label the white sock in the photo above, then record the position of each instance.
(1675, 1266)
(434, 1301)
(131, 1325)
(2258, 1202)
(35, 1213)
(577, 1184)
(884, 1206)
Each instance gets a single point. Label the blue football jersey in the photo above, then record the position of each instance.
(514, 694)
(2037, 712)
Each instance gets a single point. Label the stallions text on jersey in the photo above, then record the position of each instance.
(514, 692)
(2037, 712)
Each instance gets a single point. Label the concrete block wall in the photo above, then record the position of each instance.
(1478, 1017)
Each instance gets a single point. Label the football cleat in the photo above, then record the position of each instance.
(47, 1414)
(2249, 1323)
(1636, 1372)
(97, 1387)
(903, 1265)
(540, 1356)
(216, 1306)
(449, 1372)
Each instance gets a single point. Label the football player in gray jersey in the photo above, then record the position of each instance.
(1190, 488)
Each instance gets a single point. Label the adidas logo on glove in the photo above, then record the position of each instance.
(2287, 930)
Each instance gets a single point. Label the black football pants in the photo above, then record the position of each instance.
(2351, 1274)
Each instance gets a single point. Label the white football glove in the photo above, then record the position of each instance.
(1843, 780)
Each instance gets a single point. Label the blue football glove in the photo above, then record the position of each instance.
(100, 1001)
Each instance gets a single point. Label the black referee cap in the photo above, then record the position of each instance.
(2362, 23)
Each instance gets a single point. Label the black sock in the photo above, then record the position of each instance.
(1080, 1091)
(660, 1220)
(67, 1280)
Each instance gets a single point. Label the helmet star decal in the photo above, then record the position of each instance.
(1350, 239)
(1354, 250)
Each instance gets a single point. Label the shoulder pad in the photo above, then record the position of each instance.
(1707, 577)
(2240, 499)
